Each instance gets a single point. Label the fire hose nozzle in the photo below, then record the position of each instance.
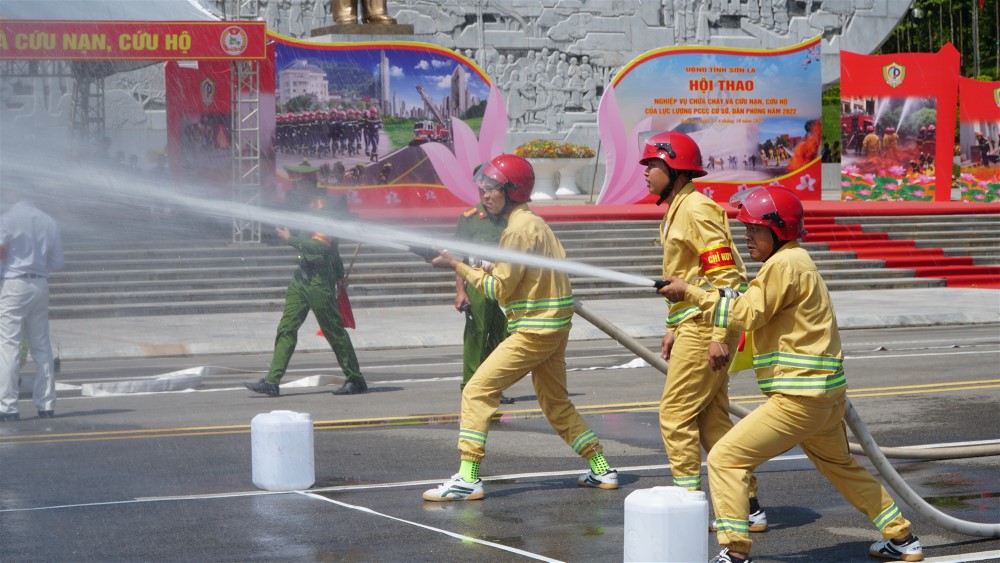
(424, 252)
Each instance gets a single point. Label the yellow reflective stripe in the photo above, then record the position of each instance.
(828, 363)
(583, 439)
(803, 382)
(490, 287)
(887, 516)
(687, 481)
(540, 323)
(472, 435)
(721, 318)
(676, 318)
(732, 525)
(540, 304)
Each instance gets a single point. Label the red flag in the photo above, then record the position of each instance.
(344, 306)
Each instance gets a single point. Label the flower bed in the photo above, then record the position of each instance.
(553, 149)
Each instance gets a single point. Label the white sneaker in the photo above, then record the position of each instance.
(608, 480)
(888, 549)
(456, 489)
(725, 557)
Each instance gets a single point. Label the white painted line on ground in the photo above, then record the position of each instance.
(348, 488)
(431, 528)
(893, 356)
(980, 556)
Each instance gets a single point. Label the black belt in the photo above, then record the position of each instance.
(29, 276)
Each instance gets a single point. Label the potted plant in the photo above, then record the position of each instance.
(550, 157)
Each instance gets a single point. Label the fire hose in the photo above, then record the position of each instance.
(867, 446)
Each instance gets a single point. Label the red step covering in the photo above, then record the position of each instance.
(907, 246)
(917, 261)
(823, 211)
(844, 236)
(939, 271)
(987, 281)
(821, 219)
(958, 271)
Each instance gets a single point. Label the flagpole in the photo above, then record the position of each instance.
(975, 38)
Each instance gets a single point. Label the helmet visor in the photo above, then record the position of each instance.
(489, 178)
(644, 141)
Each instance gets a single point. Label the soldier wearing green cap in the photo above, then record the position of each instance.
(313, 288)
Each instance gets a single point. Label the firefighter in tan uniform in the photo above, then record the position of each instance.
(870, 145)
(799, 363)
(539, 307)
(697, 244)
(890, 142)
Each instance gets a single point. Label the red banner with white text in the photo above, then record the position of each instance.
(24, 40)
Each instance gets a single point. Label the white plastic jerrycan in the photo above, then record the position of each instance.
(282, 450)
(666, 525)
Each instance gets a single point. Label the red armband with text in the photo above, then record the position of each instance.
(717, 258)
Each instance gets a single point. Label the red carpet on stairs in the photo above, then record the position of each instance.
(821, 217)
(957, 271)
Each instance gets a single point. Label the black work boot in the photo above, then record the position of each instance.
(352, 387)
(264, 388)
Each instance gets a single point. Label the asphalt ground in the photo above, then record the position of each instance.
(167, 476)
(410, 327)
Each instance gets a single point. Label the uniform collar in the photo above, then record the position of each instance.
(681, 195)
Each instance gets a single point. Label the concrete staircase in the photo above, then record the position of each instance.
(209, 275)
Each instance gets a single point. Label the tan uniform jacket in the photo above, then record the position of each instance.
(890, 142)
(534, 299)
(796, 342)
(697, 243)
(871, 145)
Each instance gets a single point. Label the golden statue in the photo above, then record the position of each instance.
(372, 11)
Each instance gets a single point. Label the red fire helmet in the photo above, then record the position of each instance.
(678, 150)
(510, 173)
(773, 207)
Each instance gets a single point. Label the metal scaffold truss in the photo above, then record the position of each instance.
(87, 118)
(246, 133)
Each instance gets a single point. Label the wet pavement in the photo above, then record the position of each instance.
(167, 477)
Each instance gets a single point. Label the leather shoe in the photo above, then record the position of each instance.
(264, 388)
(9, 417)
(505, 400)
(46, 414)
(352, 387)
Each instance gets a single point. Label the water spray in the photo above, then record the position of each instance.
(97, 183)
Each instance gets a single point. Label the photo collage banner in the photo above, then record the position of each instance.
(979, 141)
(898, 125)
(755, 114)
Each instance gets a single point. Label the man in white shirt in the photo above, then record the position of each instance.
(30, 248)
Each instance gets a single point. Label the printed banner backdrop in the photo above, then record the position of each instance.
(199, 125)
(756, 114)
(389, 124)
(897, 124)
(979, 137)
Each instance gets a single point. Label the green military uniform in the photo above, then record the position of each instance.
(314, 287)
(485, 321)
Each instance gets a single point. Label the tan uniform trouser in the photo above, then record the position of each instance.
(544, 355)
(694, 408)
(783, 422)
